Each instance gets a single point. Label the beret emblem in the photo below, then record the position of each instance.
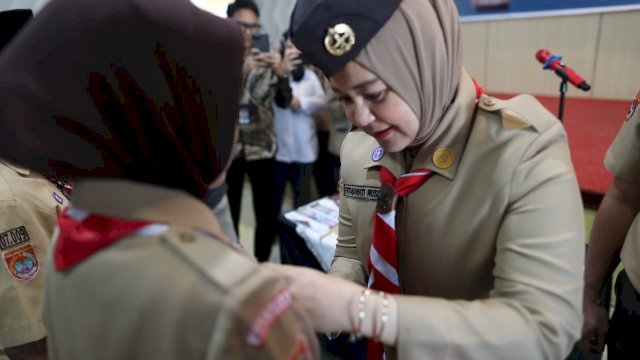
(339, 39)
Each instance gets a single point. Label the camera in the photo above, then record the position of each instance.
(261, 42)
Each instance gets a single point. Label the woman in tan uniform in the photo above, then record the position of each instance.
(464, 207)
(137, 101)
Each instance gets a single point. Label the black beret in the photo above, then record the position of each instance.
(11, 22)
(242, 4)
(331, 33)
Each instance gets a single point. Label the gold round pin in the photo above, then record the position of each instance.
(443, 158)
(339, 39)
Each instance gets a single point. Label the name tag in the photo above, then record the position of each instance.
(361, 192)
(13, 237)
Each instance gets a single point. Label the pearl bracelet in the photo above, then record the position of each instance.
(356, 329)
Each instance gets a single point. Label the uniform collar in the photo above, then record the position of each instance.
(133, 200)
(448, 139)
(18, 169)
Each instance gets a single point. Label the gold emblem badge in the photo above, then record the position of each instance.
(339, 39)
(443, 158)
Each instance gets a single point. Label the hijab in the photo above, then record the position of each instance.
(134, 89)
(417, 54)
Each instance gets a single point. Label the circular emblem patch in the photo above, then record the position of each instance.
(22, 262)
(339, 39)
(443, 158)
(377, 154)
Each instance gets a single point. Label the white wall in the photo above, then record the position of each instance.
(603, 48)
(36, 5)
(274, 17)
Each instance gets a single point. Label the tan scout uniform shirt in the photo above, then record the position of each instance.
(29, 205)
(623, 161)
(493, 241)
(179, 293)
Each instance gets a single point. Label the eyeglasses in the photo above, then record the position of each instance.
(254, 28)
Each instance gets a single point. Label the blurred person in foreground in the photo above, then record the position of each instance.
(141, 116)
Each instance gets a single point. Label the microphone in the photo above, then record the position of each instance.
(554, 62)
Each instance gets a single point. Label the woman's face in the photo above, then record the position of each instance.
(374, 108)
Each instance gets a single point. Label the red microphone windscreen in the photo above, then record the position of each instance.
(543, 55)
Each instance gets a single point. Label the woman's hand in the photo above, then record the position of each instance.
(327, 300)
(333, 303)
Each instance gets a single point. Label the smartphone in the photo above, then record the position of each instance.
(261, 42)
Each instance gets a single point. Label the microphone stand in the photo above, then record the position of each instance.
(563, 90)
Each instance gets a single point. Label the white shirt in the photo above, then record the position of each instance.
(295, 129)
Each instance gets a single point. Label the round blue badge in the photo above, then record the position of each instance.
(377, 154)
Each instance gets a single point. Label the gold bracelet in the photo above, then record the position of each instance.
(356, 332)
(384, 315)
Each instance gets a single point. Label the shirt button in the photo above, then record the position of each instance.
(187, 237)
(489, 102)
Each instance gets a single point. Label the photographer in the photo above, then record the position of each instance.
(296, 130)
(263, 71)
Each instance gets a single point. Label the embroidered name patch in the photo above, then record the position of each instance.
(263, 322)
(13, 237)
(22, 262)
(58, 198)
(361, 192)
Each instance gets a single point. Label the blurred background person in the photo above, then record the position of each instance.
(332, 127)
(142, 117)
(295, 129)
(616, 236)
(256, 148)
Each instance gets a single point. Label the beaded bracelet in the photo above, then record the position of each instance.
(384, 315)
(356, 331)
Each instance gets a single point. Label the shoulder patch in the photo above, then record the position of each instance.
(361, 192)
(216, 259)
(511, 120)
(520, 112)
(13, 237)
(267, 316)
(22, 263)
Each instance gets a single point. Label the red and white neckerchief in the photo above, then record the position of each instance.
(383, 254)
(82, 234)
